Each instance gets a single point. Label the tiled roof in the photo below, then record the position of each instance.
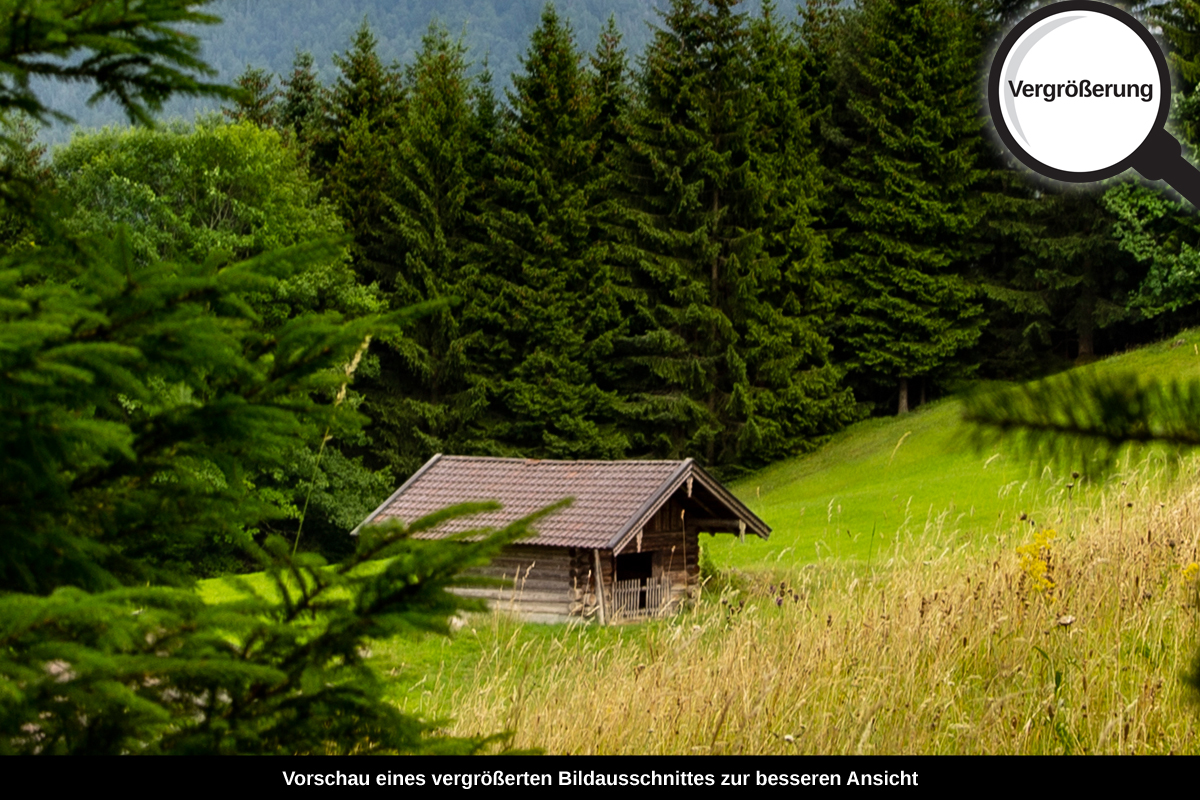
(610, 497)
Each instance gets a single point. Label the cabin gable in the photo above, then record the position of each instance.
(626, 548)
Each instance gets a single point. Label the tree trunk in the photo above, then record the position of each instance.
(1087, 344)
(1086, 324)
(903, 407)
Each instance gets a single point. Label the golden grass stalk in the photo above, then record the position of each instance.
(349, 369)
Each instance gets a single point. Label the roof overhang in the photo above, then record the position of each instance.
(737, 518)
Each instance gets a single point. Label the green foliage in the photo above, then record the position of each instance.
(189, 193)
(610, 93)
(302, 112)
(910, 183)
(144, 402)
(731, 365)
(1179, 23)
(427, 386)
(1085, 417)
(136, 53)
(157, 670)
(141, 406)
(357, 148)
(257, 103)
(543, 297)
(365, 88)
(1157, 232)
(1079, 266)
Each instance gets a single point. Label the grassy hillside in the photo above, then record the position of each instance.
(1037, 643)
(958, 628)
(962, 628)
(917, 475)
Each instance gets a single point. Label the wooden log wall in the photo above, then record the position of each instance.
(557, 583)
(540, 582)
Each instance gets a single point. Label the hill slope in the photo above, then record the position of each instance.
(889, 478)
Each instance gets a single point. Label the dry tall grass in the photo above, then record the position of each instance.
(1029, 642)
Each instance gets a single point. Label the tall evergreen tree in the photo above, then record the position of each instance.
(426, 387)
(365, 88)
(302, 109)
(731, 369)
(610, 93)
(354, 159)
(543, 297)
(909, 184)
(258, 102)
(1179, 22)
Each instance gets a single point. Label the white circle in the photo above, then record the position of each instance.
(1111, 73)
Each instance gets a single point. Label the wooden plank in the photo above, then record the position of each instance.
(518, 596)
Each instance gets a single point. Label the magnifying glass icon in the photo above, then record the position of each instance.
(1079, 91)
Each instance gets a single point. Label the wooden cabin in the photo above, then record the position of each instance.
(627, 547)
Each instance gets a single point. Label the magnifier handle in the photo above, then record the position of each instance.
(1161, 158)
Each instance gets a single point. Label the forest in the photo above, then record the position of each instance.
(224, 341)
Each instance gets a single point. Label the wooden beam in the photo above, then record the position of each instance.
(718, 525)
(599, 585)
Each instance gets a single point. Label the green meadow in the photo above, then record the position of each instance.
(920, 475)
(1028, 611)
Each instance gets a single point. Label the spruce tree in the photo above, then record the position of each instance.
(302, 109)
(798, 287)
(422, 396)
(258, 100)
(611, 94)
(909, 185)
(543, 296)
(1179, 22)
(355, 158)
(731, 370)
(365, 87)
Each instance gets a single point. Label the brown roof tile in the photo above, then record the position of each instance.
(610, 497)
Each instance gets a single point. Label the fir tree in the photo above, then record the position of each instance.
(732, 371)
(257, 102)
(421, 398)
(365, 111)
(611, 94)
(302, 111)
(257, 198)
(1179, 21)
(543, 298)
(365, 88)
(910, 189)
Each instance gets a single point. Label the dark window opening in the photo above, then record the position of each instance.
(635, 565)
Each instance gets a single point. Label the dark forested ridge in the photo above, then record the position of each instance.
(713, 228)
(268, 33)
